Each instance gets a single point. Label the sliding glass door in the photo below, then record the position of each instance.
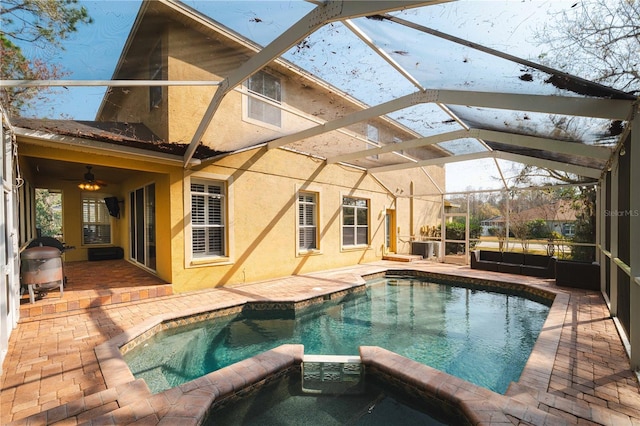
(142, 226)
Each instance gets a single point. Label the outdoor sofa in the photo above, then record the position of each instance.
(585, 275)
(535, 265)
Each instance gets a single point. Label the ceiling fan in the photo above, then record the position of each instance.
(90, 183)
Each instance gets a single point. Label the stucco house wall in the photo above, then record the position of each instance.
(261, 185)
(262, 204)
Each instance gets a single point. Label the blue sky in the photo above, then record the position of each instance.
(92, 52)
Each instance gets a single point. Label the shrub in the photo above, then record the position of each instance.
(538, 229)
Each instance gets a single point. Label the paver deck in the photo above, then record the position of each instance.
(51, 359)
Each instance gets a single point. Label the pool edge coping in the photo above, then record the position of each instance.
(536, 373)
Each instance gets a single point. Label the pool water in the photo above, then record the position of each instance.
(283, 402)
(481, 336)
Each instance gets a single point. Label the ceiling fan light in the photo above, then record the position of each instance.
(88, 186)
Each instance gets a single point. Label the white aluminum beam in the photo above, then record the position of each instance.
(384, 55)
(325, 13)
(504, 181)
(356, 117)
(555, 165)
(432, 162)
(548, 164)
(613, 236)
(563, 147)
(613, 109)
(545, 144)
(414, 143)
(634, 243)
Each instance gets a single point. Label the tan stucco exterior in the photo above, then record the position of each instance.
(262, 185)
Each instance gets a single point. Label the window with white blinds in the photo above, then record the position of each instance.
(207, 219)
(96, 223)
(307, 221)
(355, 221)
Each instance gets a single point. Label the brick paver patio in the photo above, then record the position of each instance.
(51, 359)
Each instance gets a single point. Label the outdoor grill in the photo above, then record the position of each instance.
(41, 268)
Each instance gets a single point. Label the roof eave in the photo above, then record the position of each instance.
(47, 139)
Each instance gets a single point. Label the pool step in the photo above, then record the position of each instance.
(332, 374)
(402, 257)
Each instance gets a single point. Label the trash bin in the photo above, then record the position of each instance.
(41, 270)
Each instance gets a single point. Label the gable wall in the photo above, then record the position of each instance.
(263, 184)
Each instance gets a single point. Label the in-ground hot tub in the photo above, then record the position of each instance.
(325, 391)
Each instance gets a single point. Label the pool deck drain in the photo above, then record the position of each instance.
(578, 373)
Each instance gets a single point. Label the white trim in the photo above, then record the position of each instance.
(229, 258)
(9, 246)
(279, 105)
(362, 195)
(317, 190)
(108, 83)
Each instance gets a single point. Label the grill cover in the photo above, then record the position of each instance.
(41, 266)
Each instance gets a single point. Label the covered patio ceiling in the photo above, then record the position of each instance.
(462, 100)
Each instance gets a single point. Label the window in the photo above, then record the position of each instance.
(207, 219)
(307, 221)
(96, 224)
(373, 134)
(568, 229)
(267, 87)
(155, 73)
(355, 221)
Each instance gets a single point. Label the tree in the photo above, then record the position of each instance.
(45, 24)
(538, 229)
(583, 202)
(49, 213)
(598, 40)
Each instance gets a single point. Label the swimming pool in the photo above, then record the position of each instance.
(481, 336)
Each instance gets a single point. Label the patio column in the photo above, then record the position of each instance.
(634, 235)
(508, 209)
(613, 270)
(443, 230)
(467, 244)
(601, 233)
